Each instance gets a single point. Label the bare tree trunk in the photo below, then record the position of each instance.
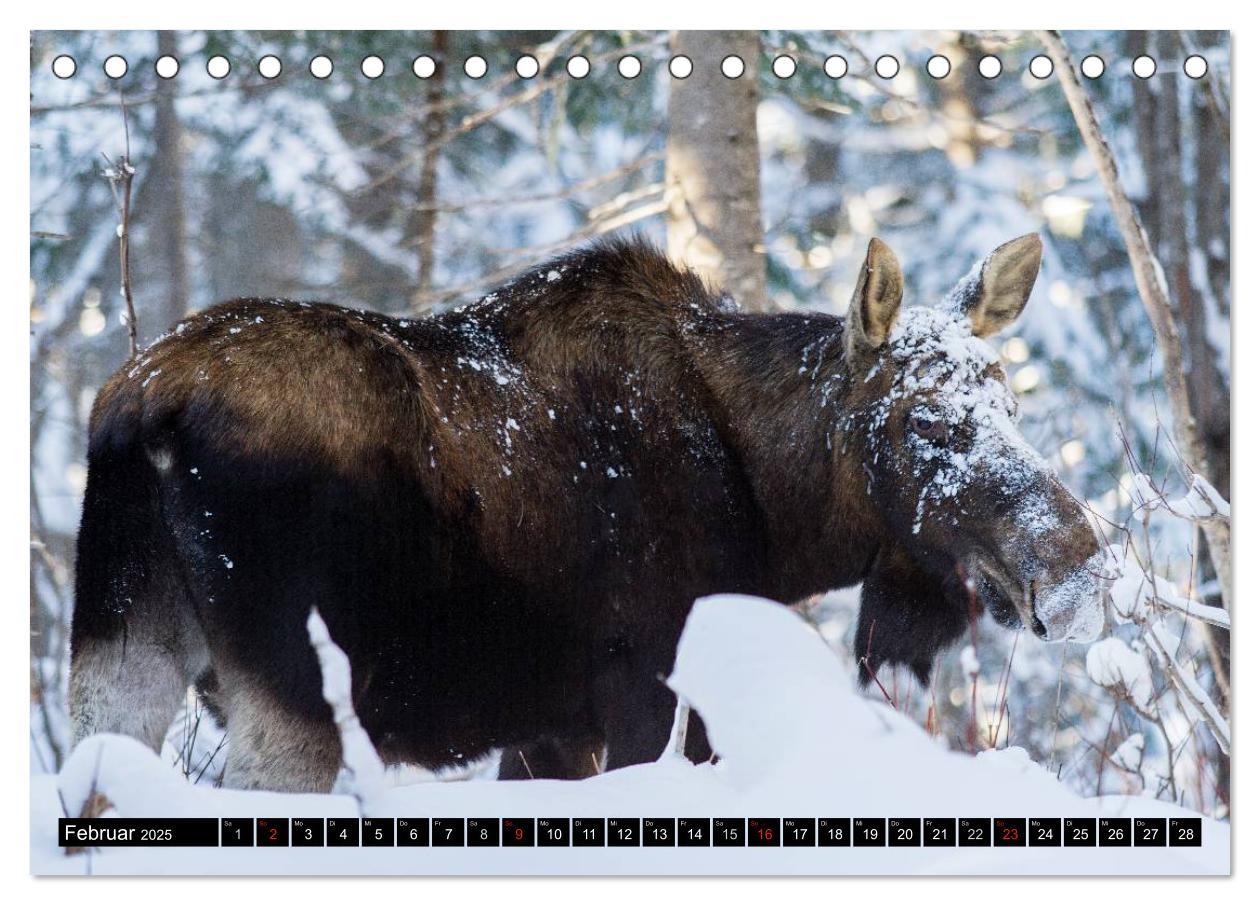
(165, 200)
(1175, 235)
(425, 228)
(1212, 148)
(1163, 150)
(1208, 396)
(1213, 96)
(713, 166)
(1159, 308)
(958, 93)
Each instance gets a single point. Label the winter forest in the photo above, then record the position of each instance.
(428, 167)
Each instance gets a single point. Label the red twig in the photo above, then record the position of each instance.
(973, 728)
(870, 636)
(999, 707)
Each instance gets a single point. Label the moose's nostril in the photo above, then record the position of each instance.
(1039, 628)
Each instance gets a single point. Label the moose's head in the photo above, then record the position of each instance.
(973, 517)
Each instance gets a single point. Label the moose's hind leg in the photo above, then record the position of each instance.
(272, 747)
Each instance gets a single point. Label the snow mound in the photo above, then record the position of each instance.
(795, 739)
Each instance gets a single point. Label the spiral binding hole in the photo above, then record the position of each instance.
(115, 66)
(423, 66)
(321, 67)
(64, 66)
(990, 67)
(527, 66)
(218, 67)
(270, 67)
(167, 67)
(938, 66)
(733, 66)
(836, 66)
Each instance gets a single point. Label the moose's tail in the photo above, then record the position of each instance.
(134, 642)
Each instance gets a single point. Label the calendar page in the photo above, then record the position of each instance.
(630, 452)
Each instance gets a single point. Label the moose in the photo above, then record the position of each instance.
(505, 511)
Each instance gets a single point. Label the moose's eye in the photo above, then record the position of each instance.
(929, 427)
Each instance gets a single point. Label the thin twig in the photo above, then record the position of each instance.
(120, 174)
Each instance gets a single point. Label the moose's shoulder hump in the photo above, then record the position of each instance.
(628, 276)
(638, 267)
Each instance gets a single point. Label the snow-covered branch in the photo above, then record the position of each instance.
(120, 173)
(358, 755)
(677, 744)
(1164, 648)
(1141, 597)
(1201, 503)
(1137, 589)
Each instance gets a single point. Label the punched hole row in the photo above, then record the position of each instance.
(784, 66)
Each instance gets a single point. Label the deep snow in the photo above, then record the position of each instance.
(795, 738)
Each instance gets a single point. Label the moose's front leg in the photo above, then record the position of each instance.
(637, 708)
(637, 722)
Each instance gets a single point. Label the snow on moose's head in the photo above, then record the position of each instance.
(975, 516)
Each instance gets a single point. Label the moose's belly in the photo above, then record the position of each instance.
(474, 674)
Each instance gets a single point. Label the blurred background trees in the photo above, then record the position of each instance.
(406, 194)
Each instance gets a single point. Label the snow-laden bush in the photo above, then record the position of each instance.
(1158, 674)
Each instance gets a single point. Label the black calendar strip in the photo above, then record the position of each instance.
(636, 832)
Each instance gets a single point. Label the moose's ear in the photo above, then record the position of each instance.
(876, 300)
(993, 298)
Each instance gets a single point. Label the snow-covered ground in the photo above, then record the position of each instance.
(795, 739)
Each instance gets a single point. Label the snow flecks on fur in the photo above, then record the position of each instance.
(485, 352)
(486, 369)
(938, 361)
(940, 372)
(965, 292)
(1076, 600)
